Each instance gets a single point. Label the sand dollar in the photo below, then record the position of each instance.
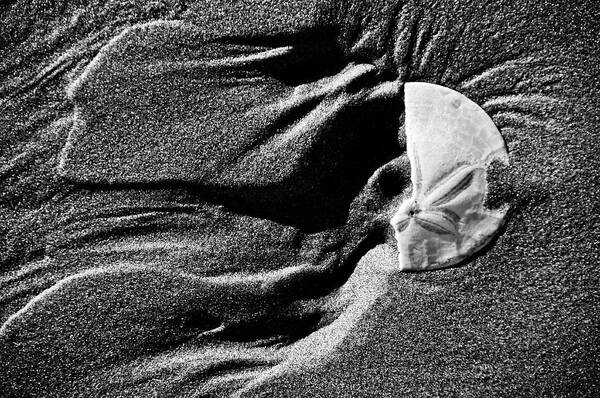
(450, 143)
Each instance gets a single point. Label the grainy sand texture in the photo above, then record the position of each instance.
(195, 200)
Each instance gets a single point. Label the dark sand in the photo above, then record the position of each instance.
(141, 239)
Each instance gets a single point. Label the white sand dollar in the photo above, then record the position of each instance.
(450, 143)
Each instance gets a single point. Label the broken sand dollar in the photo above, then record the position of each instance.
(450, 143)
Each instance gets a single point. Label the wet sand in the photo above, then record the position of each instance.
(262, 266)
